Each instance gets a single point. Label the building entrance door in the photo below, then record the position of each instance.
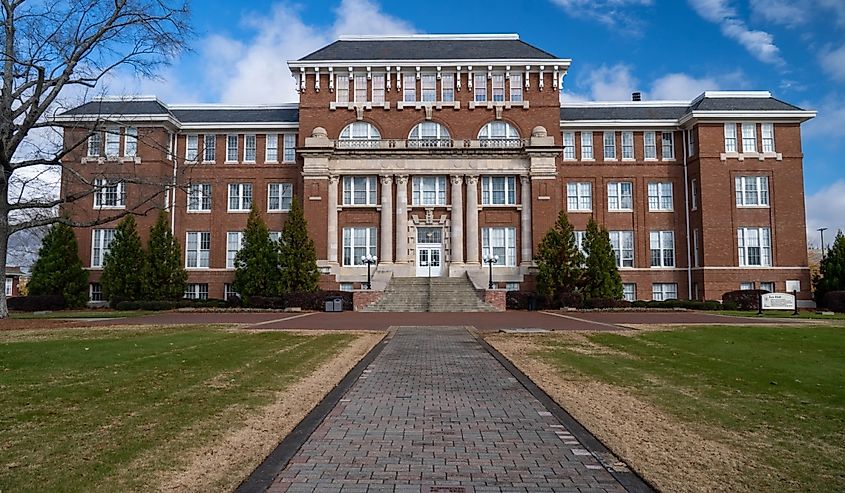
(429, 252)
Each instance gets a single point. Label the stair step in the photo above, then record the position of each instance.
(437, 294)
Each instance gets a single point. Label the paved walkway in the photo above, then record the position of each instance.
(435, 412)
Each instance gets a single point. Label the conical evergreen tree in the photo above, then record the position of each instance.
(297, 255)
(256, 263)
(123, 265)
(558, 259)
(601, 276)
(164, 275)
(58, 269)
(831, 275)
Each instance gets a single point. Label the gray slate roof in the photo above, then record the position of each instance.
(251, 115)
(429, 49)
(112, 107)
(742, 104)
(645, 112)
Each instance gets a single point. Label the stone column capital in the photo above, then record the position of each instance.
(472, 179)
(456, 180)
(401, 179)
(333, 179)
(525, 179)
(386, 179)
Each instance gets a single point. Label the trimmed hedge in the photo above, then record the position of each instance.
(315, 300)
(745, 299)
(834, 300)
(523, 300)
(605, 303)
(688, 304)
(36, 303)
(160, 305)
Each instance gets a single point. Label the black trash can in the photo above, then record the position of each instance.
(532, 303)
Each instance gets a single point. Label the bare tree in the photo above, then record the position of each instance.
(66, 48)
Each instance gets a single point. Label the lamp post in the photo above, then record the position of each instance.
(369, 260)
(490, 260)
(821, 232)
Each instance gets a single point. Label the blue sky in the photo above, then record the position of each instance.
(666, 49)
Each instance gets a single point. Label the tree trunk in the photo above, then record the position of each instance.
(4, 244)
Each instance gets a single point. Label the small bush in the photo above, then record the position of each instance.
(570, 300)
(745, 299)
(730, 305)
(524, 300)
(834, 300)
(605, 303)
(161, 305)
(315, 300)
(36, 303)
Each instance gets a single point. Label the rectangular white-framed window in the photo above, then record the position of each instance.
(768, 133)
(516, 88)
(229, 291)
(100, 244)
(358, 242)
(498, 86)
(341, 88)
(112, 141)
(579, 196)
(209, 148)
(289, 141)
(693, 194)
(498, 190)
(271, 148)
(660, 196)
(691, 141)
(240, 197)
(662, 291)
(197, 248)
(447, 88)
(749, 137)
(95, 142)
(746, 285)
(668, 141)
(279, 196)
(629, 291)
(511, 286)
(95, 291)
(501, 242)
(8, 287)
(650, 146)
(196, 291)
(232, 148)
(662, 248)
(428, 190)
(275, 236)
(752, 191)
(234, 242)
(622, 243)
(767, 286)
(109, 194)
(569, 146)
(587, 146)
(346, 286)
(696, 253)
(378, 88)
(627, 146)
(609, 139)
(579, 242)
(428, 87)
(360, 81)
(191, 148)
(730, 137)
(359, 190)
(620, 196)
(249, 148)
(130, 142)
(409, 88)
(755, 247)
(479, 82)
(199, 197)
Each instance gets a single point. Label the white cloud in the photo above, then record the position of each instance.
(824, 210)
(681, 87)
(830, 121)
(833, 62)
(611, 13)
(760, 44)
(785, 12)
(611, 83)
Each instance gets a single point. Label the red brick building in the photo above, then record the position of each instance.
(432, 152)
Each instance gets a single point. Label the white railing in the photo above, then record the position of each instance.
(430, 144)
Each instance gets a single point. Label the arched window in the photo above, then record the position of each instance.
(429, 134)
(359, 134)
(499, 134)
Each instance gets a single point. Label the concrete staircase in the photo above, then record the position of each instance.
(436, 294)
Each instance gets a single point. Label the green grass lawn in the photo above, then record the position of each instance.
(77, 407)
(79, 314)
(781, 389)
(783, 314)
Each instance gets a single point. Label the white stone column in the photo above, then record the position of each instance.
(527, 240)
(386, 247)
(402, 218)
(332, 222)
(457, 236)
(472, 220)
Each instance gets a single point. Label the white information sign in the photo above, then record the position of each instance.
(778, 301)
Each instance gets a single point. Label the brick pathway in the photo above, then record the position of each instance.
(434, 410)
